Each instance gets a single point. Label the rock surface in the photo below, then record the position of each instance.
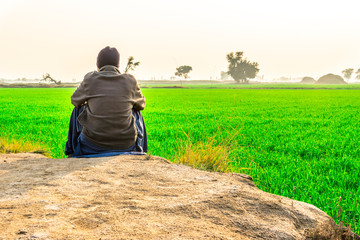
(141, 197)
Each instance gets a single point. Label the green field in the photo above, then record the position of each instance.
(184, 84)
(302, 144)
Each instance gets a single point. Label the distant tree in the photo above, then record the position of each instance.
(131, 65)
(331, 79)
(241, 69)
(308, 80)
(224, 75)
(347, 73)
(358, 74)
(47, 77)
(183, 71)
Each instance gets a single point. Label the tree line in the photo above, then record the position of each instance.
(239, 68)
(349, 72)
(130, 66)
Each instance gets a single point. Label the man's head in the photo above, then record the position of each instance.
(108, 56)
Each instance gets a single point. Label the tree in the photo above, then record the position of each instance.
(347, 73)
(183, 71)
(308, 80)
(47, 77)
(358, 74)
(241, 69)
(131, 65)
(331, 79)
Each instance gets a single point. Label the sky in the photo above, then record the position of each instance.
(286, 37)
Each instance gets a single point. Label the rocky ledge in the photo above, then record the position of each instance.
(142, 197)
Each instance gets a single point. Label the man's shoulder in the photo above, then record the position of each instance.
(126, 75)
(129, 77)
(96, 76)
(89, 75)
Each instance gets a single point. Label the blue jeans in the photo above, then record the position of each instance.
(78, 146)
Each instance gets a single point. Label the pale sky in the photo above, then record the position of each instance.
(287, 38)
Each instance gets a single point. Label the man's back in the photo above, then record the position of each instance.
(110, 97)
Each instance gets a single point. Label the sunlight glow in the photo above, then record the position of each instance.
(286, 38)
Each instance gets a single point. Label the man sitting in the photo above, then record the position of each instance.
(106, 119)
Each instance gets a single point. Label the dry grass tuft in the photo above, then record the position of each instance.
(18, 146)
(207, 155)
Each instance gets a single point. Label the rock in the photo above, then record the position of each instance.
(308, 80)
(137, 197)
(331, 79)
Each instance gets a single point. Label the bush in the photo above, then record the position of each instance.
(308, 80)
(205, 155)
(331, 79)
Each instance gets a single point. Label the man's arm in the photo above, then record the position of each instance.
(79, 96)
(139, 99)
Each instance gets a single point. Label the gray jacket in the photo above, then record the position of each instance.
(109, 97)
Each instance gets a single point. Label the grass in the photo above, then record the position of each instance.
(201, 84)
(207, 155)
(302, 144)
(184, 84)
(18, 146)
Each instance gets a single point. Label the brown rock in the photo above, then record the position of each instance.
(136, 197)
